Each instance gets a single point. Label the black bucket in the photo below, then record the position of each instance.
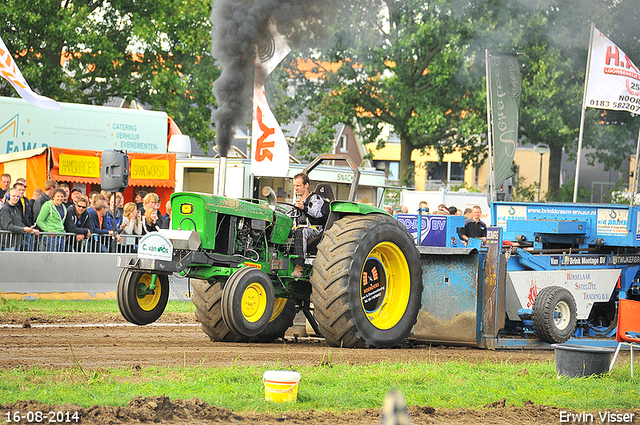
(577, 361)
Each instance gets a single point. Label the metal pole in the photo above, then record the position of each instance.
(419, 227)
(540, 178)
(575, 185)
(633, 188)
(584, 107)
(112, 247)
(491, 179)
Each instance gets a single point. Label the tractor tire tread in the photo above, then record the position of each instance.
(331, 275)
(207, 298)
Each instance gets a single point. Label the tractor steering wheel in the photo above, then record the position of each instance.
(292, 211)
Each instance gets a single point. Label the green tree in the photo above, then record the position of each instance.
(87, 51)
(553, 38)
(419, 66)
(523, 192)
(405, 64)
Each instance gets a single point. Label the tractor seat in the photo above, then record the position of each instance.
(324, 190)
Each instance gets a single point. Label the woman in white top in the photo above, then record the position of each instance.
(132, 220)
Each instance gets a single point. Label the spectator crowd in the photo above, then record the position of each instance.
(473, 227)
(59, 219)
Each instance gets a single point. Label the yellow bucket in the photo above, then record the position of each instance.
(281, 385)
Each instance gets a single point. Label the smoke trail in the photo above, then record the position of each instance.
(234, 34)
(237, 26)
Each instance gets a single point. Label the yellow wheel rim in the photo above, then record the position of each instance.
(278, 306)
(385, 285)
(149, 301)
(254, 302)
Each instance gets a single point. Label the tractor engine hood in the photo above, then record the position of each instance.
(216, 218)
(248, 208)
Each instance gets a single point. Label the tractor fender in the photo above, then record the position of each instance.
(340, 209)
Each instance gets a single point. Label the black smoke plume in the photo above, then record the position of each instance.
(237, 25)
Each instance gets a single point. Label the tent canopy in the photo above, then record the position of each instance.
(80, 166)
(83, 166)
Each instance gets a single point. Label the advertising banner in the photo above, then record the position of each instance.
(613, 81)
(9, 70)
(269, 148)
(433, 229)
(505, 93)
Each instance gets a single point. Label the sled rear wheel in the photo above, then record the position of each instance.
(554, 315)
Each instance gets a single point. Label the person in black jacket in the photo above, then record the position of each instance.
(23, 203)
(150, 221)
(165, 221)
(310, 215)
(474, 228)
(11, 220)
(5, 186)
(78, 221)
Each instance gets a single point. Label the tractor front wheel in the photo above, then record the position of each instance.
(284, 311)
(207, 297)
(137, 301)
(367, 282)
(247, 301)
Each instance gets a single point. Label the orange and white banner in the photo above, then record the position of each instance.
(269, 148)
(9, 70)
(613, 81)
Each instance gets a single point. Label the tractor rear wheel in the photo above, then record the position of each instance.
(367, 282)
(554, 314)
(207, 298)
(137, 303)
(284, 311)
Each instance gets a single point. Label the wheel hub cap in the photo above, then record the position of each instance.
(562, 313)
(254, 302)
(147, 301)
(385, 285)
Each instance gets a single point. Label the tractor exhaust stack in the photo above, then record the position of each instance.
(222, 176)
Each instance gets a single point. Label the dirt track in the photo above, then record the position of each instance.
(176, 340)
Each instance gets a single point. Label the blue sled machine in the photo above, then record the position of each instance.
(548, 273)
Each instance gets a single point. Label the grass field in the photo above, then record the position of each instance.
(454, 384)
(77, 307)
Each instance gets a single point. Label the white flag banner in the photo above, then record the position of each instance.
(9, 70)
(613, 81)
(269, 148)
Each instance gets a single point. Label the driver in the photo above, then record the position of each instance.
(308, 222)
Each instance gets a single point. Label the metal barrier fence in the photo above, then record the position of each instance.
(67, 242)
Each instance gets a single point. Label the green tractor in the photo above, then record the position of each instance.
(363, 287)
